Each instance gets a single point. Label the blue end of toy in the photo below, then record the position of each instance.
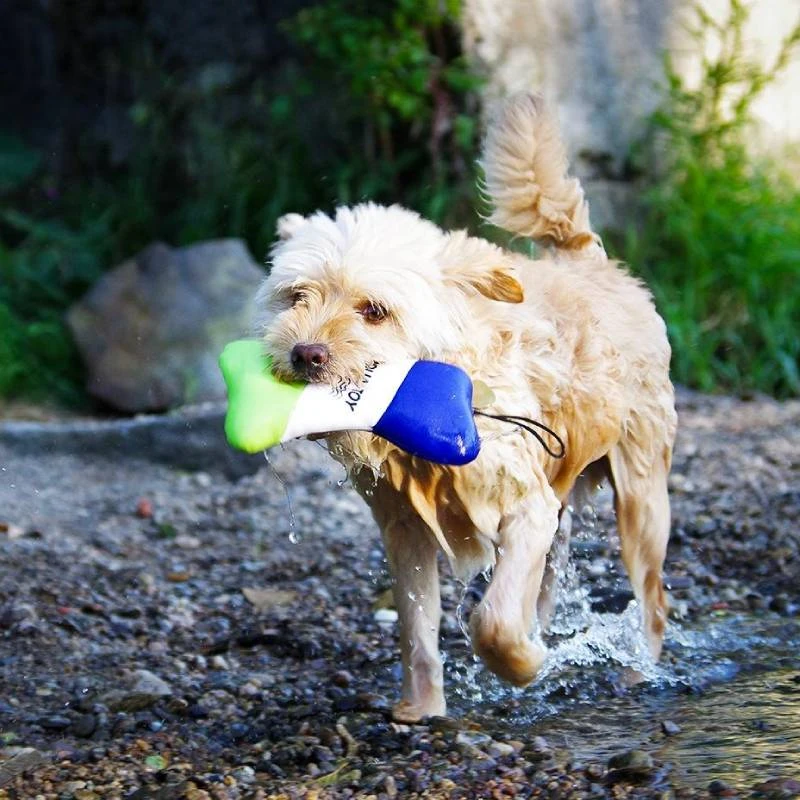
(431, 415)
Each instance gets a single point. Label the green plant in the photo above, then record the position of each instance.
(404, 109)
(720, 241)
(40, 275)
(376, 103)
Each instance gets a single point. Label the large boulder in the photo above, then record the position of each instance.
(151, 330)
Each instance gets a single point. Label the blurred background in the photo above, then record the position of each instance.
(147, 149)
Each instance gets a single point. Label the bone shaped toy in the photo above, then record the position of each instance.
(423, 407)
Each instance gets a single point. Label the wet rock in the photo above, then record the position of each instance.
(500, 749)
(17, 760)
(610, 601)
(342, 678)
(473, 743)
(245, 775)
(719, 788)
(390, 786)
(371, 701)
(151, 330)
(677, 583)
(147, 690)
(150, 683)
(594, 772)
(670, 728)
(55, 722)
(777, 789)
(84, 725)
(632, 765)
(781, 604)
(443, 724)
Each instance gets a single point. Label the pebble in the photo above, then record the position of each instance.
(670, 728)
(266, 711)
(777, 789)
(371, 701)
(342, 678)
(677, 583)
(390, 786)
(84, 725)
(472, 739)
(149, 683)
(55, 722)
(245, 775)
(631, 765)
(719, 788)
(500, 749)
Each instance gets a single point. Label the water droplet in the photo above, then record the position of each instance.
(283, 484)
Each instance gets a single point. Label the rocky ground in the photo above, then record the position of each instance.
(173, 633)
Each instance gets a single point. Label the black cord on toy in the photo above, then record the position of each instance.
(530, 426)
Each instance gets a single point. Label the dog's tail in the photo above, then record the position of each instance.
(525, 168)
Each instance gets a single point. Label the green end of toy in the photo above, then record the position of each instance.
(259, 405)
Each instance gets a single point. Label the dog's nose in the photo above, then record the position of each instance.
(310, 356)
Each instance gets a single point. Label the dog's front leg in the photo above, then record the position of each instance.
(501, 625)
(411, 551)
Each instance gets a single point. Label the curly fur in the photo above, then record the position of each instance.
(571, 340)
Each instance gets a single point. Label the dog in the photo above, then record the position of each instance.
(570, 340)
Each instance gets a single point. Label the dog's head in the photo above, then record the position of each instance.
(372, 284)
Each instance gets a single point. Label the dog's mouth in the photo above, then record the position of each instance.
(316, 363)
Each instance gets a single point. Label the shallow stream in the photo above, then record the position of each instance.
(730, 685)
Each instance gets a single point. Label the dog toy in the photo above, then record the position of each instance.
(423, 407)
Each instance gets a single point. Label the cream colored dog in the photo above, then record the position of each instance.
(570, 340)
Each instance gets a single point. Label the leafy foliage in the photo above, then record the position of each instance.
(720, 244)
(403, 99)
(376, 104)
(39, 276)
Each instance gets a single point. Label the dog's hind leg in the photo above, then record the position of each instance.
(643, 519)
(501, 624)
(412, 551)
(557, 561)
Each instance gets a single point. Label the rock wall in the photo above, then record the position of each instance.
(601, 62)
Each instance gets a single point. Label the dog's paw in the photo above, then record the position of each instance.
(515, 660)
(408, 712)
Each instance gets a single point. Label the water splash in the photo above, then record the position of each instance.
(607, 638)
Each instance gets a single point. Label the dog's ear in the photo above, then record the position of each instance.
(288, 225)
(498, 284)
(472, 263)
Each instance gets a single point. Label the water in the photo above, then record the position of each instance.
(730, 682)
(732, 685)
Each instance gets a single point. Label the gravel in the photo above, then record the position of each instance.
(169, 632)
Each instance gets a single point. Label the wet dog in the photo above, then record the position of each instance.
(570, 340)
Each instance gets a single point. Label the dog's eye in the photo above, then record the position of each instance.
(296, 296)
(373, 312)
